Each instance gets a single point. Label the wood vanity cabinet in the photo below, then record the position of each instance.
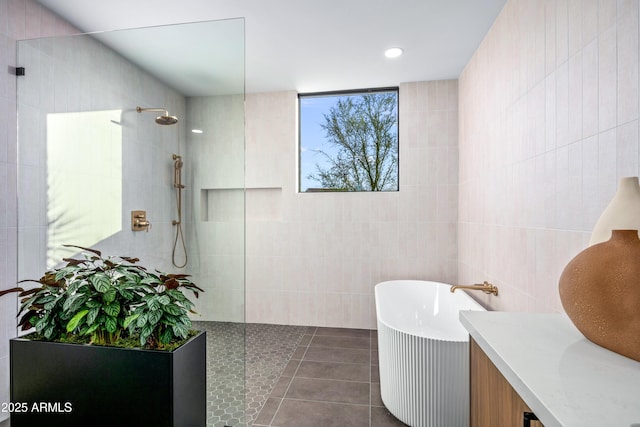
(494, 403)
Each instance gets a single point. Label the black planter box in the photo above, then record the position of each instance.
(54, 384)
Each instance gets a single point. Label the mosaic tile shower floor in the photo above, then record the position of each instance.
(268, 350)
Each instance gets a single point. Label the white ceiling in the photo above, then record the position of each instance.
(312, 46)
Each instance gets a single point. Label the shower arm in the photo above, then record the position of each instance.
(163, 119)
(154, 110)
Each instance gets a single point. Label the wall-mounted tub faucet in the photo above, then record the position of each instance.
(485, 287)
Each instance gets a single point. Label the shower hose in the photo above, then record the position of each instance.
(177, 183)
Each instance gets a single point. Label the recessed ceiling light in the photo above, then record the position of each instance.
(196, 130)
(393, 52)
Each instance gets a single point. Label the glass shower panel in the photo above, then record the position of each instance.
(87, 159)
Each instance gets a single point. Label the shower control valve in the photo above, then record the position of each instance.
(139, 221)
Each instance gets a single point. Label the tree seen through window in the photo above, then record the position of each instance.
(349, 142)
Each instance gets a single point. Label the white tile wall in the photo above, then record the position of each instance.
(317, 263)
(527, 207)
(215, 205)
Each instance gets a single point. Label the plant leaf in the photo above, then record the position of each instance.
(49, 306)
(142, 320)
(186, 321)
(111, 323)
(145, 333)
(130, 319)
(95, 251)
(180, 330)
(110, 295)
(49, 279)
(154, 316)
(187, 304)
(168, 319)
(75, 320)
(25, 319)
(171, 283)
(93, 314)
(151, 280)
(166, 336)
(112, 309)
(48, 332)
(93, 303)
(6, 291)
(100, 281)
(78, 303)
(178, 276)
(153, 303)
(91, 329)
(73, 287)
(73, 262)
(69, 302)
(21, 294)
(164, 300)
(127, 294)
(176, 295)
(172, 309)
(40, 325)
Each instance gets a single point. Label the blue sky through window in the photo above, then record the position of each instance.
(312, 137)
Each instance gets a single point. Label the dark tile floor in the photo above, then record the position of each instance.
(331, 379)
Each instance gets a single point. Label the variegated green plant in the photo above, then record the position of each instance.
(107, 298)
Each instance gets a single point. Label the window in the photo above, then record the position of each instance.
(349, 141)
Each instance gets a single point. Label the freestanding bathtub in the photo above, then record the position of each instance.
(424, 352)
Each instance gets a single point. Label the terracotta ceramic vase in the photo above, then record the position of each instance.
(600, 292)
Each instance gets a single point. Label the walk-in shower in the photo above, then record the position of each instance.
(177, 184)
(165, 119)
(190, 185)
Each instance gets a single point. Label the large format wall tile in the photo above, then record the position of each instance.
(541, 152)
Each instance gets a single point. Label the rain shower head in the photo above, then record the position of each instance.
(165, 119)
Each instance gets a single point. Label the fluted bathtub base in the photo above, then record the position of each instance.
(424, 382)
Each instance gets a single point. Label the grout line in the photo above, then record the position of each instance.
(292, 377)
(333, 379)
(326, 401)
(370, 364)
(343, 348)
(286, 360)
(334, 362)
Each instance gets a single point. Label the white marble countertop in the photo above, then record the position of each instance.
(565, 379)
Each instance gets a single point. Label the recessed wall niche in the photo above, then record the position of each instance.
(227, 204)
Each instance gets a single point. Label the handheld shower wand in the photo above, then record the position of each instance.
(177, 184)
(177, 171)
